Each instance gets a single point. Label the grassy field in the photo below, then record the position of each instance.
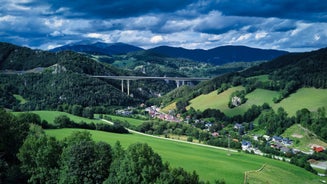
(256, 97)
(214, 101)
(261, 78)
(131, 121)
(49, 116)
(303, 138)
(265, 176)
(209, 163)
(169, 107)
(309, 98)
(220, 101)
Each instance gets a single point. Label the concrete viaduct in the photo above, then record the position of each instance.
(178, 80)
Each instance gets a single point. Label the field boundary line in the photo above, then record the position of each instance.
(252, 171)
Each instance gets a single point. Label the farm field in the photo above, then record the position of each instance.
(209, 163)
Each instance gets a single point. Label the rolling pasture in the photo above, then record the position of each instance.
(50, 116)
(131, 121)
(214, 100)
(209, 163)
(310, 98)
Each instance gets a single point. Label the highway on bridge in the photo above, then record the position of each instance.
(129, 78)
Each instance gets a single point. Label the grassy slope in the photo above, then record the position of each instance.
(305, 137)
(169, 107)
(310, 98)
(265, 176)
(261, 78)
(209, 163)
(49, 116)
(131, 121)
(214, 100)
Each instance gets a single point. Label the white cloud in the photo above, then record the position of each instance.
(243, 37)
(156, 39)
(7, 18)
(101, 36)
(260, 35)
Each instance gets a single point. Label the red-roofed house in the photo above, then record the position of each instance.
(318, 149)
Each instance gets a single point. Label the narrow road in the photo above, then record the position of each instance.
(198, 144)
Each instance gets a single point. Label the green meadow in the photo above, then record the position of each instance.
(209, 163)
(214, 100)
(131, 121)
(310, 98)
(50, 116)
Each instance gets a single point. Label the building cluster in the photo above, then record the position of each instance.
(154, 112)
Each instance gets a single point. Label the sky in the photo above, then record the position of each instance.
(291, 25)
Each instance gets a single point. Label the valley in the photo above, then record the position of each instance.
(271, 115)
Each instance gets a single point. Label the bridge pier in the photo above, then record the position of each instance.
(128, 87)
(178, 83)
(122, 86)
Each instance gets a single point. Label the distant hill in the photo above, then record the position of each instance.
(150, 63)
(98, 48)
(220, 55)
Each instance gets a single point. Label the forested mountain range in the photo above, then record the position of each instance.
(154, 64)
(221, 55)
(216, 56)
(98, 48)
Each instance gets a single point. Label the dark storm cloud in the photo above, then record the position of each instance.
(310, 10)
(277, 24)
(115, 8)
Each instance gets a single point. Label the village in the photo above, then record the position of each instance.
(277, 142)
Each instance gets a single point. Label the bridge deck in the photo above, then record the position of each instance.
(149, 77)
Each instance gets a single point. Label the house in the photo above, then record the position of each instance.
(215, 134)
(266, 137)
(238, 126)
(277, 139)
(246, 145)
(318, 149)
(287, 141)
